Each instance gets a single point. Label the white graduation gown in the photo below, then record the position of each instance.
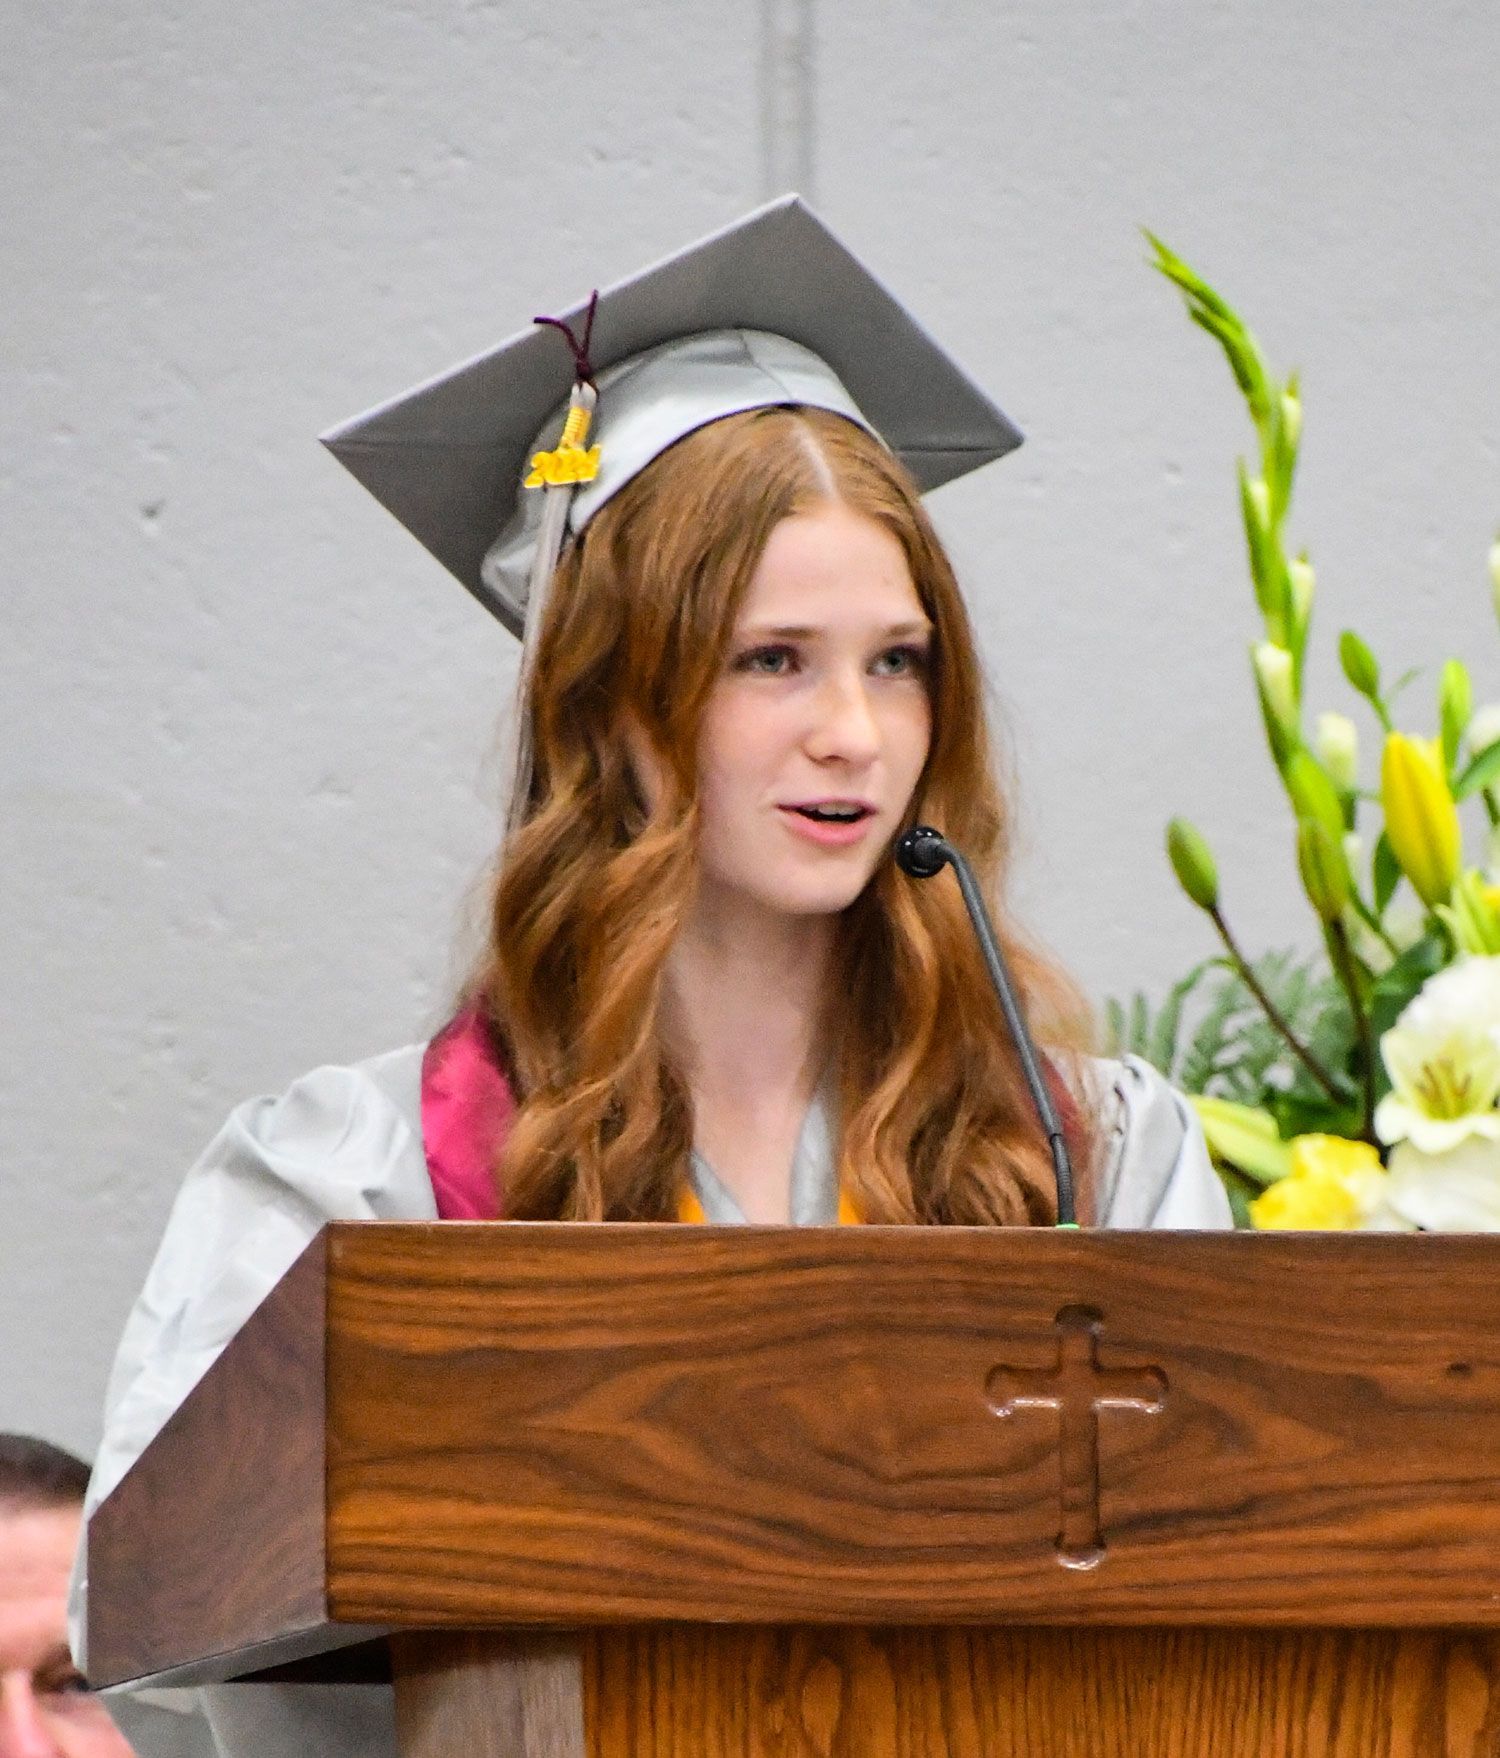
(345, 1144)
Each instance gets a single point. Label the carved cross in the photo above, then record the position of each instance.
(1077, 1388)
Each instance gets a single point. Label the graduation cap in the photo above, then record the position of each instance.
(772, 310)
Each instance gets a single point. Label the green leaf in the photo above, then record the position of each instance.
(1245, 1136)
(1385, 872)
(1397, 986)
(1481, 772)
(1407, 677)
(1309, 1111)
(1162, 1053)
(1211, 1036)
(1455, 708)
(1213, 313)
(1241, 1193)
(1139, 1024)
(1114, 1027)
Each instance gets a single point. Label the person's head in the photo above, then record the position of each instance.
(45, 1708)
(761, 619)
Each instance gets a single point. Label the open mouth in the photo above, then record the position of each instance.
(833, 813)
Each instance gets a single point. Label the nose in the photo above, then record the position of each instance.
(844, 727)
(23, 1728)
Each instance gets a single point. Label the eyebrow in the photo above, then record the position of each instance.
(801, 632)
(56, 1660)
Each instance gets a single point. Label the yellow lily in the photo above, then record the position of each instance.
(1421, 820)
(1333, 1184)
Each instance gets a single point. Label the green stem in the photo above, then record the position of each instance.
(1272, 1012)
(1373, 923)
(1343, 966)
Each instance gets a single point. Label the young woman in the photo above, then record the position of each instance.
(707, 992)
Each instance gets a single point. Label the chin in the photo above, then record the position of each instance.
(831, 897)
(819, 887)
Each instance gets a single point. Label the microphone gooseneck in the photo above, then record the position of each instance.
(923, 852)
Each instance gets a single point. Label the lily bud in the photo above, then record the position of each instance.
(1276, 678)
(1325, 873)
(1337, 744)
(1193, 863)
(1455, 707)
(1300, 583)
(1267, 568)
(1313, 794)
(1258, 494)
(1484, 728)
(1421, 820)
(1473, 917)
(1359, 664)
(1291, 416)
(1495, 574)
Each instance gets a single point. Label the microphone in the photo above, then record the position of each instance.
(924, 852)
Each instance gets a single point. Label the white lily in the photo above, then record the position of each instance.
(1443, 1057)
(1454, 1192)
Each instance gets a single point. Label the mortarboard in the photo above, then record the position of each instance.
(771, 310)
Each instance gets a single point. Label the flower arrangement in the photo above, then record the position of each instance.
(1360, 1088)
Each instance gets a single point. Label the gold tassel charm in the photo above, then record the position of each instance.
(571, 461)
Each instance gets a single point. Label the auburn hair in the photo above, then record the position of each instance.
(935, 1122)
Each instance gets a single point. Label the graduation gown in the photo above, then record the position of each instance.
(347, 1144)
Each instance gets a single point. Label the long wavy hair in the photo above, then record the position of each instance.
(595, 882)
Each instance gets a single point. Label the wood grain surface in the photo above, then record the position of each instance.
(214, 1541)
(579, 1425)
(478, 1694)
(966, 1693)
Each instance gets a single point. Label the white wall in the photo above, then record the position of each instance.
(248, 724)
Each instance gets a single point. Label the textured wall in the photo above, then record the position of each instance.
(249, 727)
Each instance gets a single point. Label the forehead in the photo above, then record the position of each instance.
(36, 1555)
(832, 564)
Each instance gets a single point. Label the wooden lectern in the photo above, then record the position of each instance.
(691, 1492)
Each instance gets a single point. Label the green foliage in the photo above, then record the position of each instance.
(1385, 873)
(1399, 985)
(1483, 771)
(1210, 1035)
(1291, 1039)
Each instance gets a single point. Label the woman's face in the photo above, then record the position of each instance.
(817, 731)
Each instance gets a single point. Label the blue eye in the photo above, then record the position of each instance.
(767, 662)
(901, 662)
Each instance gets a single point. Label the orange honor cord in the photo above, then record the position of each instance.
(690, 1209)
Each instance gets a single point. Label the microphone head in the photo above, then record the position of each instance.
(922, 852)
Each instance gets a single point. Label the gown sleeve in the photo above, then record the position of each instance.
(341, 1144)
(1155, 1170)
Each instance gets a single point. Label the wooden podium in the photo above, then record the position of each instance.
(875, 1492)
